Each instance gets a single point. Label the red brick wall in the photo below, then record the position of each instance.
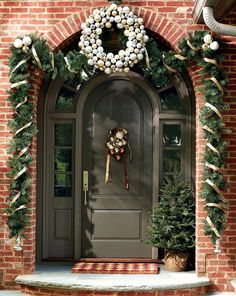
(184, 292)
(57, 21)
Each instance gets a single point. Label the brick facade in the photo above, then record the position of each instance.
(57, 21)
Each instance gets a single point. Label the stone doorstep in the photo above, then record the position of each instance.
(58, 277)
(221, 294)
(11, 293)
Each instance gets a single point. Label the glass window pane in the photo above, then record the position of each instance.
(171, 161)
(62, 184)
(171, 135)
(63, 160)
(65, 100)
(170, 99)
(63, 134)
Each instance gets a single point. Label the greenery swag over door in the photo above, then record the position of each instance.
(31, 51)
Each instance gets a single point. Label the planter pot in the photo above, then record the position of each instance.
(175, 261)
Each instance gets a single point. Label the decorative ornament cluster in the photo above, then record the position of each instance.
(91, 41)
(209, 43)
(31, 51)
(116, 145)
(116, 142)
(23, 43)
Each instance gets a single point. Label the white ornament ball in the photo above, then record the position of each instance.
(27, 40)
(139, 36)
(83, 26)
(140, 56)
(114, 13)
(121, 53)
(214, 45)
(108, 63)
(205, 46)
(207, 38)
(117, 19)
(99, 42)
(113, 6)
(97, 18)
(108, 71)
(145, 38)
(126, 9)
(126, 70)
(119, 26)
(108, 25)
(100, 49)
(119, 64)
(126, 33)
(88, 49)
(87, 31)
(130, 21)
(81, 44)
(98, 31)
(119, 135)
(113, 60)
(140, 20)
(90, 62)
(110, 55)
(18, 43)
(133, 56)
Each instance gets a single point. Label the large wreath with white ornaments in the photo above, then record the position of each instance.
(91, 42)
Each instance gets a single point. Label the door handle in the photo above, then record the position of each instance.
(85, 186)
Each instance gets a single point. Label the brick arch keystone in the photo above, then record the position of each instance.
(70, 26)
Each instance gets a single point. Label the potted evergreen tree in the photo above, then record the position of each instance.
(172, 224)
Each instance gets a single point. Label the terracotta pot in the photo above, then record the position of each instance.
(175, 261)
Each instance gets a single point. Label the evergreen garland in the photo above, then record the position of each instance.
(157, 67)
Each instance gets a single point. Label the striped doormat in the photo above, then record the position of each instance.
(118, 268)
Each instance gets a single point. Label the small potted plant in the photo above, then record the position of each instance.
(172, 224)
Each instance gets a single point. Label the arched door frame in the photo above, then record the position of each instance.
(77, 116)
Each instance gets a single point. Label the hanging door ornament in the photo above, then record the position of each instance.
(116, 146)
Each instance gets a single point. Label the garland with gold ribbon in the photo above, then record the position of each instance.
(32, 53)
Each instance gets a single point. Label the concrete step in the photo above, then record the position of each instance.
(11, 293)
(221, 294)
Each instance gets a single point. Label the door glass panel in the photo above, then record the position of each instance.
(171, 161)
(63, 134)
(169, 99)
(63, 159)
(65, 100)
(62, 184)
(171, 135)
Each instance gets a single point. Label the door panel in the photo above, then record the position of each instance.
(114, 222)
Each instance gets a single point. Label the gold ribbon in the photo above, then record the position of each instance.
(36, 57)
(52, 60)
(212, 226)
(23, 151)
(147, 58)
(19, 83)
(169, 68)
(218, 85)
(20, 104)
(212, 166)
(211, 61)
(107, 172)
(213, 149)
(217, 189)
(68, 65)
(207, 128)
(213, 108)
(191, 46)
(17, 66)
(215, 205)
(180, 57)
(23, 127)
(20, 173)
(15, 198)
(22, 207)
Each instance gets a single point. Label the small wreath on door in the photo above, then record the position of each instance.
(116, 146)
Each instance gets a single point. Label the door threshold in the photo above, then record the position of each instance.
(119, 260)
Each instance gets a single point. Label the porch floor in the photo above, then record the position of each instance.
(60, 277)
